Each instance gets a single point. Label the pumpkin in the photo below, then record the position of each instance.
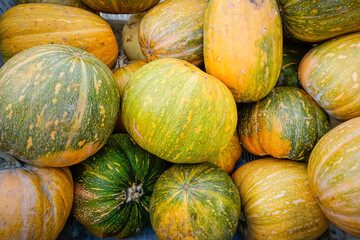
(277, 202)
(58, 105)
(121, 6)
(318, 20)
(71, 3)
(195, 201)
(330, 74)
(177, 112)
(334, 174)
(285, 124)
(28, 25)
(129, 38)
(292, 55)
(35, 201)
(243, 46)
(113, 188)
(174, 28)
(229, 156)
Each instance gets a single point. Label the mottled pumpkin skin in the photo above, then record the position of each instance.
(230, 155)
(70, 3)
(243, 46)
(35, 201)
(277, 201)
(174, 28)
(106, 182)
(197, 201)
(177, 112)
(330, 73)
(58, 105)
(121, 6)
(28, 25)
(285, 124)
(334, 172)
(319, 20)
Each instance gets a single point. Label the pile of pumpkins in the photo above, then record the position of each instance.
(155, 141)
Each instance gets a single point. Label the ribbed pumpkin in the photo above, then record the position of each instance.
(319, 20)
(58, 105)
(197, 201)
(70, 3)
(277, 202)
(285, 124)
(330, 73)
(174, 28)
(28, 25)
(334, 175)
(229, 156)
(243, 46)
(114, 186)
(35, 201)
(130, 38)
(177, 112)
(121, 6)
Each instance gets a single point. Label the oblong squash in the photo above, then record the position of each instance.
(70, 3)
(121, 6)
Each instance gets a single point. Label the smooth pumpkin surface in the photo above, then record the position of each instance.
(318, 20)
(28, 25)
(35, 201)
(277, 202)
(285, 124)
(129, 38)
(121, 6)
(174, 28)
(197, 201)
(70, 3)
(330, 73)
(118, 180)
(334, 175)
(243, 46)
(177, 112)
(58, 105)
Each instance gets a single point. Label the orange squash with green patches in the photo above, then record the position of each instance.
(121, 6)
(70, 3)
(194, 201)
(334, 175)
(277, 201)
(243, 46)
(28, 25)
(35, 201)
(287, 123)
(62, 107)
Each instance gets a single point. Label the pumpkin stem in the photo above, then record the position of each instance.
(134, 193)
(7, 161)
(120, 62)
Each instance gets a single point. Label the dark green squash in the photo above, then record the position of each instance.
(114, 186)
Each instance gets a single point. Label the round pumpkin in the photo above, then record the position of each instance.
(194, 201)
(243, 46)
(177, 112)
(113, 188)
(334, 175)
(174, 28)
(35, 201)
(70, 3)
(28, 25)
(319, 20)
(330, 73)
(285, 124)
(277, 201)
(121, 6)
(129, 38)
(58, 105)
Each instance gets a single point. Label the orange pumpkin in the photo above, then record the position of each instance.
(35, 201)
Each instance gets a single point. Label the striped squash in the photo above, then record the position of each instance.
(334, 175)
(58, 105)
(70, 3)
(121, 6)
(195, 201)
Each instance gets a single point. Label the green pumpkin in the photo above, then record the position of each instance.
(58, 105)
(195, 201)
(114, 186)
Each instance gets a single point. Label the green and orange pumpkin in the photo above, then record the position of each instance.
(177, 112)
(113, 188)
(121, 6)
(195, 201)
(70, 3)
(287, 123)
(58, 105)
